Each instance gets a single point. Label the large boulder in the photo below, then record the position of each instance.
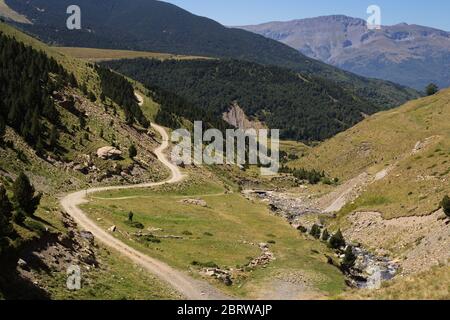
(109, 153)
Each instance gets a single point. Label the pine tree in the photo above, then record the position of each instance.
(337, 240)
(130, 216)
(5, 213)
(325, 235)
(2, 128)
(54, 136)
(349, 259)
(24, 195)
(132, 151)
(431, 89)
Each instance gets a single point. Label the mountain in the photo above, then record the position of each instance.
(411, 55)
(304, 107)
(151, 25)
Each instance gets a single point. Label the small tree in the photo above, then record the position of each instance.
(315, 231)
(132, 151)
(431, 89)
(2, 128)
(6, 209)
(337, 240)
(325, 235)
(54, 136)
(24, 195)
(349, 259)
(445, 204)
(130, 216)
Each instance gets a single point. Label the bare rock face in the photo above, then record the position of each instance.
(109, 153)
(236, 117)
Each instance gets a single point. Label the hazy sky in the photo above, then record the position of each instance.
(433, 13)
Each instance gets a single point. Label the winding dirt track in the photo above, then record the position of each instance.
(190, 288)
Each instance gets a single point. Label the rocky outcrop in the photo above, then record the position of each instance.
(109, 153)
(195, 202)
(236, 117)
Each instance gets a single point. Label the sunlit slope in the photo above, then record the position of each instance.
(412, 143)
(96, 55)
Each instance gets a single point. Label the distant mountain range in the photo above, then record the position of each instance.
(151, 25)
(411, 55)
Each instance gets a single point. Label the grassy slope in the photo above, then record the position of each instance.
(97, 55)
(417, 182)
(113, 280)
(8, 13)
(215, 233)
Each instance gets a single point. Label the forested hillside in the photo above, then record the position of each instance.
(121, 92)
(150, 25)
(27, 81)
(304, 107)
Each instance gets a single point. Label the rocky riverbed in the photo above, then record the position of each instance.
(369, 270)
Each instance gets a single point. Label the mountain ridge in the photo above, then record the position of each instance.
(408, 54)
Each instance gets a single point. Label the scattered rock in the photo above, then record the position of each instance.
(22, 264)
(196, 202)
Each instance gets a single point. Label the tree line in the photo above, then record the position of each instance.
(27, 80)
(304, 108)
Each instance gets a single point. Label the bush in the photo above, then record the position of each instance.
(337, 240)
(19, 217)
(187, 233)
(431, 89)
(325, 235)
(315, 231)
(24, 195)
(132, 151)
(134, 224)
(151, 238)
(445, 204)
(302, 229)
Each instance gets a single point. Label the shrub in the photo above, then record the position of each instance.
(187, 233)
(337, 240)
(315, 231)
(325, 235)
(19, 217)
(24, 195)
(431, 89)
(302, 229)
(134, 224)
(446, 205)
(132, 151)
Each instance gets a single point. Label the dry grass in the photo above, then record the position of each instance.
(96, 55)
(7, 12)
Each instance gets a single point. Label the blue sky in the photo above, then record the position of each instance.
(433, 13)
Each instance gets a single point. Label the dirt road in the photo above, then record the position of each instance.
(187, 286)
